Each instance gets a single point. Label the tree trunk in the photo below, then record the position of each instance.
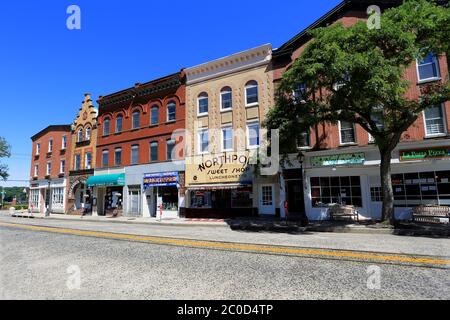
(386, 187)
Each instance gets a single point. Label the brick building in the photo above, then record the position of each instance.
(83, 156)
(138, 167)
(49, 171)
(346, 167)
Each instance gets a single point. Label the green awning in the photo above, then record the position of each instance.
(107, 180)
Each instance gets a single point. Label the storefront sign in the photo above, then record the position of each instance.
(338, 160)
(423, 154)
(221, 168)
(164, 179)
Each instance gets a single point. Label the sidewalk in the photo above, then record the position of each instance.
(258, 224)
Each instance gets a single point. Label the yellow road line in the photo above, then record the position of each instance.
(236, 246)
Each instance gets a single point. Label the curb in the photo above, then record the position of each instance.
(245, 226)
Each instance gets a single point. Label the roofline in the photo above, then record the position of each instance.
(56, 127)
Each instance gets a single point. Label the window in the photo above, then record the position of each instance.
(253, 135)
(202, 102)
(136, 119)
(342, 83)
(251, 93)
(154, 151)
(80, 135)
(428, 68)
(62, 168)
(305, 140)
(36, 170)
(203, 141)
(50, 145)
(421, 188)
(347, 132)
(170, 146)
(38, 148)
(106, 127)
(375, 194)
(118, 156)
(300, 92)
(226, 99)
(134, 154)
(336, 190)
(57, 197)
(49, 168)
(105, 158)
(119, 124)
(377, 117)
(88, 134)
(227, 139)
(34, 198)
(78, 162)
(171, 111)
(154, 116)
(434, 121)
(64, 143)
(201, 199)
(88, 160)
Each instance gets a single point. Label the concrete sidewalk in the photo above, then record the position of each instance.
(258, 224)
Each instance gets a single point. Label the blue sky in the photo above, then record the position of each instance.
(45, 68)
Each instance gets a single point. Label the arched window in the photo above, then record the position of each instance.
(136, 119)
(119, 124)
(202, 103)
(251, 93)
(88, 134)
(171, 109)
(154, 115)
(226, 99)
(106, 127)
(80, 135)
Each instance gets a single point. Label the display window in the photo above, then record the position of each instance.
(326, 191)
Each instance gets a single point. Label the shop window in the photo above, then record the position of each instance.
(57, 197)
(242, 198)
(336, 190)
(171, 111)
(200, 199)
(226, 99)
(202, 104)
(154, 151)
(34, 198)
(251, 93)
(347, 132)
(424, 188)
(169, 197)
(428, 68)
(154, 116)
(434, 121)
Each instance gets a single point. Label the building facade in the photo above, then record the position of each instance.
(49, 171)
(344, 166)
(140, 168)
(226, 101)
(83, 156)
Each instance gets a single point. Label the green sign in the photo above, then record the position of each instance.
(423, 154)
(338, 160)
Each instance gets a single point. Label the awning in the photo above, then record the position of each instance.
(225, 186)
(107, 180)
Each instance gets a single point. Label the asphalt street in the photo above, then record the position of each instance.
(40, 264)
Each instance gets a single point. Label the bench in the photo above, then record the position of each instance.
(342, 211)
(430, 214)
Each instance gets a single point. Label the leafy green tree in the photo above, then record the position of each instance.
(5, 152)
(356, 74)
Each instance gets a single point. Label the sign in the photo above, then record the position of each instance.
(338, 160)
(164, 179)
(424, 154)
(233, 167)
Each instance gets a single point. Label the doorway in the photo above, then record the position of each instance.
(267, 199)
(295, 198)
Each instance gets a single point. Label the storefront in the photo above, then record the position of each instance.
(162, 194)
(48, 194)
(420, 176)
(108, 193)
(222, 186)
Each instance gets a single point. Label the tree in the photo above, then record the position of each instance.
(5, 152)
(356, 74)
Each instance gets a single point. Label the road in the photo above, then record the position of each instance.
(41, 259)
